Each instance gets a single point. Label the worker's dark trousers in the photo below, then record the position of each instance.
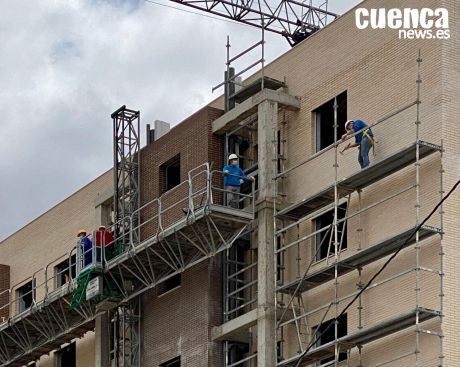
(364, 150)
(233, 196)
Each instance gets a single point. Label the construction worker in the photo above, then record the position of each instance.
(364, 140)
(233, 178)
(103, 239)
(85, 246)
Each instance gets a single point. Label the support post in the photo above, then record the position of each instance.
(266, 321)
(102, 341)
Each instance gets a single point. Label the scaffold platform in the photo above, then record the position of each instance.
(364, 336)
(357, 181)
(358, 260)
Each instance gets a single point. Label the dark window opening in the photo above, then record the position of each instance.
(66, 356)
(279, 261)
(324, 116)
(324, 241)
(279, 351)
(170, 174)
(169, 284)
(26, 295)
(236, 352)
(65, 271)
(279, 153)
(175, 362)
(325, 333)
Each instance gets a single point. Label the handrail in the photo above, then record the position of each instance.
(201, 189)
(338, 142)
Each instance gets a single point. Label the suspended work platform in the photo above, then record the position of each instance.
(183, 227)
(359, 180)
(361, 258)
(43, 328)
(364, 336)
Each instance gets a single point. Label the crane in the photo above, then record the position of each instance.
(294, 20)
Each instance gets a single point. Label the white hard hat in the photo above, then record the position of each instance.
(232, 157)
(348, 123)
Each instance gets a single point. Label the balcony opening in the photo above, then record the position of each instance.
(66, 356)
(237, 351)
(324, 241)
(26, 294)
(65, 271)
(325, 333)
(170, 174)
(324, 118)
(238, 294)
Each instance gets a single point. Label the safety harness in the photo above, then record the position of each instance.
(371, 139)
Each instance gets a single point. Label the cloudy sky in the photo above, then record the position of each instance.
(66, 65)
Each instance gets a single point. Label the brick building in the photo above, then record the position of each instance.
(263, 285)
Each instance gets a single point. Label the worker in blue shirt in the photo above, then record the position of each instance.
(86, 247)
(364, 140)
(233, 178)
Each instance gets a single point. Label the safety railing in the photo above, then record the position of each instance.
(201, 190)
(367, 313)
(400, 122)
(241, 288)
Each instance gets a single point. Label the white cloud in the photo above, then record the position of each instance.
(66, 65)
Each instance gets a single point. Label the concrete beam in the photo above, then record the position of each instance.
(232, 118)
(237, 329)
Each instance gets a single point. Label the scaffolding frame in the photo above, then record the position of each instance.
(126, 167)
(176, 241)
(126, 334)
(330, 199)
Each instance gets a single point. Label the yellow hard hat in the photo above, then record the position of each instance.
(81, 231)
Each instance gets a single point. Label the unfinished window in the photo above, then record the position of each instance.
(170, 174)
(324, 117)
(324, 240)
(325, 333)
(66, 357)
(175, 362)
(65, 271)
(237, 351)
(279, 261)
(237, 277)
(170, 284)
(25, 295)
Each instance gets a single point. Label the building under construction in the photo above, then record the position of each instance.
(321, 263)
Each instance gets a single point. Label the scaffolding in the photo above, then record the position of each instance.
(325, 342)
(176, 234)
(126, 169)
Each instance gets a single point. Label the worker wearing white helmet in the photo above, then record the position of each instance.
(233, 178)
(364, 139)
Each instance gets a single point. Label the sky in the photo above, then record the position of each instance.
(65, 66)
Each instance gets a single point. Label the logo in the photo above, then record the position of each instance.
(422, 23)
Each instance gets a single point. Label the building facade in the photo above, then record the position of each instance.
(321, 265)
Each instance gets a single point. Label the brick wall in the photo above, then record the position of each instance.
(4, 285)
(179, 322)
(194, 142)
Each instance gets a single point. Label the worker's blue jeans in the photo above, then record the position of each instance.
(364, 149)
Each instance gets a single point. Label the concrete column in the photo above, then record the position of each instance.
(102, 341)
(266, 322)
